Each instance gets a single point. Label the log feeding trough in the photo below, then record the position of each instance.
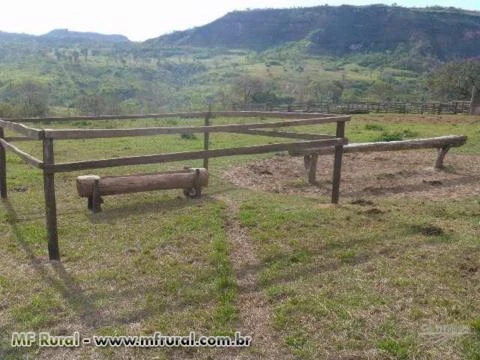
(93, 187)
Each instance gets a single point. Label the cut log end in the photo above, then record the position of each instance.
(82, 178)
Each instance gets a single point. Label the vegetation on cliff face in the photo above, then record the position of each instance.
(320, 54)
(343, 30)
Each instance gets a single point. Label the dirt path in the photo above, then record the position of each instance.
(255, 312)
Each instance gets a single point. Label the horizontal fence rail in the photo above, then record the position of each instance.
(283, 134)
(184, 115)
(189, 155)
(27, 131)
(276, 114)
(112, 117)
(29, 159)
(149, 131)
(18, 138)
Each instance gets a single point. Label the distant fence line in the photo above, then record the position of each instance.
(453, 107)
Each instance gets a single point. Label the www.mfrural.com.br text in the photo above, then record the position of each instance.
(45, 339)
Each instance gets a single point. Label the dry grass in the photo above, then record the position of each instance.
(368, 279)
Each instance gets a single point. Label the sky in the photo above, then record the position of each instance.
(145, 19)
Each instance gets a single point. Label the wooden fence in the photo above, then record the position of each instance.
(454, 107)
(48, 137)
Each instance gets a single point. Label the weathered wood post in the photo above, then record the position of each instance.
(3, 168)
(50, 202)
(310, 161)
(206, 135)
(96, 198)
(337, 165)
(441, 153)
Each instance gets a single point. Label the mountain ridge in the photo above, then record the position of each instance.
(65, 35)
(275, 56)
(340, 30)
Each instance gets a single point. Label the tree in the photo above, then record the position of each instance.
(75, 55)
(383, 90)
(30, 97)
(247, 87)
(458, 80)
(84, 52)
(224, 98)
(91, 104)
(8, 110)
(330, 91)
(58, 55)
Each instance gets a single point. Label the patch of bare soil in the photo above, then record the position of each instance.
(255, 311)
(378, 174)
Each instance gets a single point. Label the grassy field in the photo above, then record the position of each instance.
(380, 278)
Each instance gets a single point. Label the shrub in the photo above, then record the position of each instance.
(396, 135)
(375, 127)
(188, 136)
(390, 136)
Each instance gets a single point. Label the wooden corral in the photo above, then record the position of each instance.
(50, 167)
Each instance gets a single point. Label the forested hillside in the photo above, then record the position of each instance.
(343, 30)
(319, 54)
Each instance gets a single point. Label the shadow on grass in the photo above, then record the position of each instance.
(292, 271)
(413, 188)
(63, 282)
(93, 316)
(143, 208)
(148, 206)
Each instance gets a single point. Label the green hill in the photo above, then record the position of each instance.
(340, 31)
(333, 54)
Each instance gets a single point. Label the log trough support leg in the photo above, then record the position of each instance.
(310, 162)
(96, 198)
(306, 161)
(196, 183)
(194, 192)
(441, 152)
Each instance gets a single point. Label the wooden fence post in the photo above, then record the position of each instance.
(206, 135)
(50, 202)
(337, 166)
(3, 168)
